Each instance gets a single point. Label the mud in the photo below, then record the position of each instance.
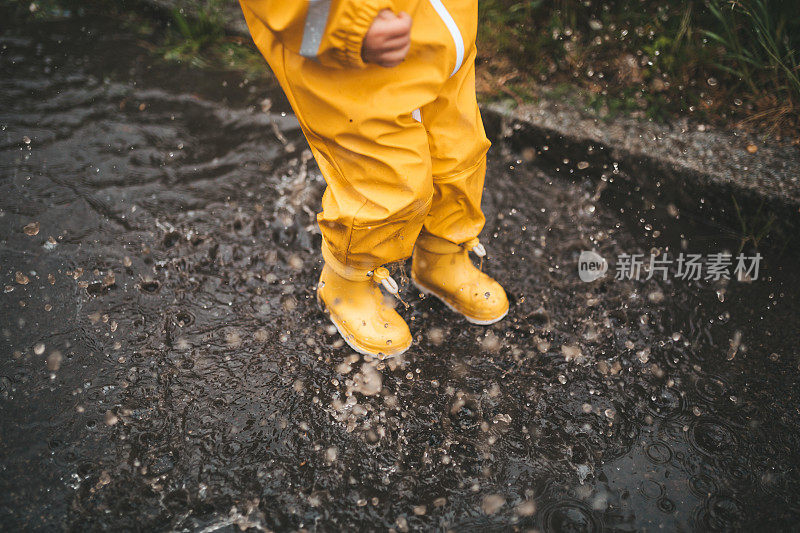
(165, 365)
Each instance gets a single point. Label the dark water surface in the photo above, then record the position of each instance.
(164, 364)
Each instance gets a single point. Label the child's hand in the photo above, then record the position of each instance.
(388, 39)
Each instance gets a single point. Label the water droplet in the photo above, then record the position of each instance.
(402, 524)
(492, 503)
(54, 361)
(572, 353)
(331, 454)
(436, 336)
(735, 344)
(490, 343)
(233, 339)
(111, 418)
(295, 262)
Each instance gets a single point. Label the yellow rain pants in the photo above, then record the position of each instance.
(402, 149)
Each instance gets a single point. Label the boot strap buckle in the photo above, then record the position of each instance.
(381, 275)
(475, 246)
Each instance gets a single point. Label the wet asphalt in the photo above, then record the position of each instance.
(165, 365)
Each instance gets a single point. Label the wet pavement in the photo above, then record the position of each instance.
(165, 365)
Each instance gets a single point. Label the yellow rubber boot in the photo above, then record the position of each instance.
(448, 274)
(363, 315)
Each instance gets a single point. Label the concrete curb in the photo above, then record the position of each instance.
(713, 157)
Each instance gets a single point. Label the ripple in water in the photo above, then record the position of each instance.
(569, 516)
(712, 437)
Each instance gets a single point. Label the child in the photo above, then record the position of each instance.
(389, 110)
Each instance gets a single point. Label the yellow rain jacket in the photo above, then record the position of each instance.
(402, 149)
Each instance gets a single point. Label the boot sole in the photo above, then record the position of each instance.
(430, 292)
(359, 349)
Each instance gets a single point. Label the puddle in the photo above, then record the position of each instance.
(166, 366)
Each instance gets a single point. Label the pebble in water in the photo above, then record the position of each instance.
(31, 229)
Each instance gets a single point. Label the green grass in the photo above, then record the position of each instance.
(201, 41)
(190, 37)
(754, 226)
(762, 45)
(700, 57)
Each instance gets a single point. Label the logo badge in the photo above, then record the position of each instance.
(591, 266)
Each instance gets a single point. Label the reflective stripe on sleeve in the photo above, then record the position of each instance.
(316, 20)
(455, 33)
